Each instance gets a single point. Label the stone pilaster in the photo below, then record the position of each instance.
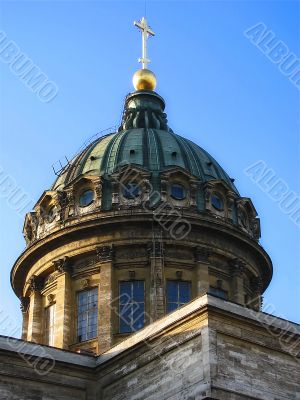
(24, 306)
(64, 304)
(35, 316)
(202, 274)
(237, 282)
(256, 287)
(157, 286)
(105, 256)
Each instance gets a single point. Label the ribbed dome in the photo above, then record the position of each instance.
(148, 142)
(155, 150)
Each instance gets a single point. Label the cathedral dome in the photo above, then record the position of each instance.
(144, 139)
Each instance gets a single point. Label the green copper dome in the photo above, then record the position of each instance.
(144, 139)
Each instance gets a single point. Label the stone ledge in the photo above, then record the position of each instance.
(26, 348)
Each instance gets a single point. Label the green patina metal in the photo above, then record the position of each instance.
(143, 139)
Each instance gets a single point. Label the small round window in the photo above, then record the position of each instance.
(217, 202)
(86, 198)
(131, 190)
(51, 214)
(178, 192)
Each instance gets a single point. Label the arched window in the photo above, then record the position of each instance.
(178, 192)
(86, 198)
(217, 202)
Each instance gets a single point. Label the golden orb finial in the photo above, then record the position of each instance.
(144, 79)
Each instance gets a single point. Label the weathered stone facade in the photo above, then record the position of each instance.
(208, 349)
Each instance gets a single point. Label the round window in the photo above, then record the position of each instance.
(86, 198)
(131, 190)
(178, 192)
(217, 202)
(51, 214)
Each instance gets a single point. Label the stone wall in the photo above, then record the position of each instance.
(208, 349)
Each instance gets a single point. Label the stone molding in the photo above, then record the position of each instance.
(105, 253)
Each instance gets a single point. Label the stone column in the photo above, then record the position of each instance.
(237, 285)
(157, 286)
(105, 256)
(63, 310)
(24, 306)
(35, 317)
(256, 286)
(202, 273)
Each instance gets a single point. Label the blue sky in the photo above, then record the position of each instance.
(221, 91)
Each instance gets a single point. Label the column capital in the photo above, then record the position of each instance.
(24, 304)
(36, 283)
(105, 253)
(202, 254)
(237, 267)
(62, 265)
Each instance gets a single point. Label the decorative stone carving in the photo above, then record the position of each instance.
(36, 283)
(256, 285)
(62, 265)
(237, 267)
(85, 283)
(202, 254)
(51, 278)
(131, 274)
(24, 304)
(179, 275)
(155, 249)
(51, 298)
(105, 253)
(255, 228)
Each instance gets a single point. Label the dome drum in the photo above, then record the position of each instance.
(141, 212)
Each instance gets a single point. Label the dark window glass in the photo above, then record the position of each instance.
(217, 202)
(51, 214)
(178, 192)
(218, 292)
(87, 317)
(131, 190)
(131, 306)
(86, 198)
(178, 293)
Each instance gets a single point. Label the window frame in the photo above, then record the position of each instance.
(86, 339)
(87, 189)
(132, 281)
(184, 191)
(178, 281)
(49, 327)
(128, 194)
(222, 200)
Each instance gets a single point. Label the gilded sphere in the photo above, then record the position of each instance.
(144, 79)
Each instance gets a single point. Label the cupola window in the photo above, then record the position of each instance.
(178, 191)
(131, 306)
(87, 314)
(86, 198)
(131, 190)
(178, 293)
(217, 202)
(51, 214)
